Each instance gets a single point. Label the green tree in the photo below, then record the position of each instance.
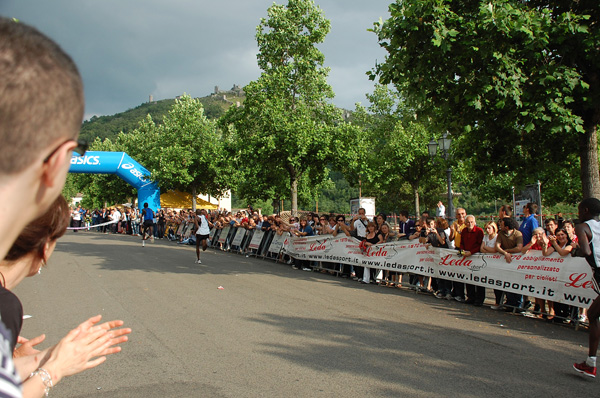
(283, 132)
(395, 162)
(517, 81)
(186, 152)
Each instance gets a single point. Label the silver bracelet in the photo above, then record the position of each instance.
(46, 379)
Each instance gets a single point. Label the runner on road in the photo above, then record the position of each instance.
(148, 217)
(202, 226)
(588, 233)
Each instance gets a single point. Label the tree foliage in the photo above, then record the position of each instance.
(111, 125)
(387, 148)
(283, 133)
(516, 81)
(185, 152)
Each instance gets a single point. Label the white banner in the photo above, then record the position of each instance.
(278, 242)
(256, 239)
(95, 226)
(562, 279)
(237, 238)
(223, 236)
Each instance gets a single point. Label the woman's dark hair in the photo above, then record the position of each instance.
(441, 222)
(564, 232)
(47, 228)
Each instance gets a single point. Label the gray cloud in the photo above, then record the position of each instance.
(127, 50)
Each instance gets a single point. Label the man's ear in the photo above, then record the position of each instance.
(54, 167)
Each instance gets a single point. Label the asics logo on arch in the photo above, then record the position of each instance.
(89, 160)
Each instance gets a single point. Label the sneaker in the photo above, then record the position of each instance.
(307, 269)
(497, 307)
(449, 297)
(585, 369)
(199, 262)
(459, 299)
(439, 295)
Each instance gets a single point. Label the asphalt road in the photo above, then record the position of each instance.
(277, 332)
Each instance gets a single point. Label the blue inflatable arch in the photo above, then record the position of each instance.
(123, 165)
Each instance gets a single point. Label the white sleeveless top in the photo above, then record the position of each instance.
(203, 228)
(595, 242)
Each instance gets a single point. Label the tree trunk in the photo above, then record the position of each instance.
(293, 188)
(588, 153)
(417, 208)
(194, 193)
(294, 192)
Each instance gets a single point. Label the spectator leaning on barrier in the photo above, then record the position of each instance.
(407, 226)
(458, 288)
(488, 245)
(529, 223)
(539, 241)
(470, 243)
(331, 225)
(369, 240)
(303, 230)
(509, 241)
(551, 227)
(380, 220)
(358, 225)
(342, 227)
(434, 236)
(386, 235)
(416, 235)
(569, 227)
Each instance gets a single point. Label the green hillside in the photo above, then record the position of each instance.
(110, 126)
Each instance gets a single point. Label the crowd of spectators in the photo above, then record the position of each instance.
(504, 236)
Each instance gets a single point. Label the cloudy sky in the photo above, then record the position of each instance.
(127, 50)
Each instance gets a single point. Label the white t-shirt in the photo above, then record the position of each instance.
(448, 241)
(489, 242)
(441, 211)
(361, 227)
(595, 242)
(203, 228)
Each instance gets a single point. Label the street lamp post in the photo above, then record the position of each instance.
(444, 144)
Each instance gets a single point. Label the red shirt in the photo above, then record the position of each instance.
(471, 240)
